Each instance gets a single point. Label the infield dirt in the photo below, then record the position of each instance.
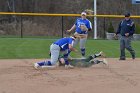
(19, 76)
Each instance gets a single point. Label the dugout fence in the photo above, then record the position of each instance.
(45, 25)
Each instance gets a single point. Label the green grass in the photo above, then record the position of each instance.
(14, 48)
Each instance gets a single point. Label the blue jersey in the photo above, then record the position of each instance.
(80, 22)
(64, 43)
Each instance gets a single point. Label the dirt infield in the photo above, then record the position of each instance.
(19, 76)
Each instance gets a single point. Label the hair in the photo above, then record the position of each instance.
(89, 11)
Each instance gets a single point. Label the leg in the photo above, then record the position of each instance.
(94, 56)
(69, 57)
(82, 45)
(76, 42)
(95, 62)
(128, 47)
(122, 48)
(54, 49)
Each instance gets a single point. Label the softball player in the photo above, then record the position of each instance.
(62, 45)
(82, 26)
(90, 59)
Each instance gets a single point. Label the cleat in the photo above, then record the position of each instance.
(101, 54)
(98, 55)
(36, 65)
(69, 66)
(133, 56)
(105, 61)
(122, 59)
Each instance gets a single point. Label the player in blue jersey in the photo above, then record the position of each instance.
(63, 46)
(81, 26)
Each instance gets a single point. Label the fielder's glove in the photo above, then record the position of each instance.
(83, 28)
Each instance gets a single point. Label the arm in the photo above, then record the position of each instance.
(72, 28)
(119, 28)
(132, 29)
(90, 26)
(72, 48)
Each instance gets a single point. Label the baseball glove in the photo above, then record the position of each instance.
(83, 28)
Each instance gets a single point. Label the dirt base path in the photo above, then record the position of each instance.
(19, 76)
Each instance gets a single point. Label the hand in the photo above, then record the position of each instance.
(115, 35)
(68, 32)
(126, 34)
(75, 50)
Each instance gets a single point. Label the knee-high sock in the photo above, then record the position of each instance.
(44, 63)
(83, 51)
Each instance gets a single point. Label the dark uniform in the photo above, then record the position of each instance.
(126, 30)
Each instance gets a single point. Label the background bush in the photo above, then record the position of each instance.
(110, 28)
(137, 29)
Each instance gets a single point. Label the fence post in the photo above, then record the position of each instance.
(21, 27)
(62, 24)
(104, 29)
(21, 21)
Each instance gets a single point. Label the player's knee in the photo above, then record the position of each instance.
(52, 63)
(83, 49)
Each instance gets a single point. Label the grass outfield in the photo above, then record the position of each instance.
(15, 48)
